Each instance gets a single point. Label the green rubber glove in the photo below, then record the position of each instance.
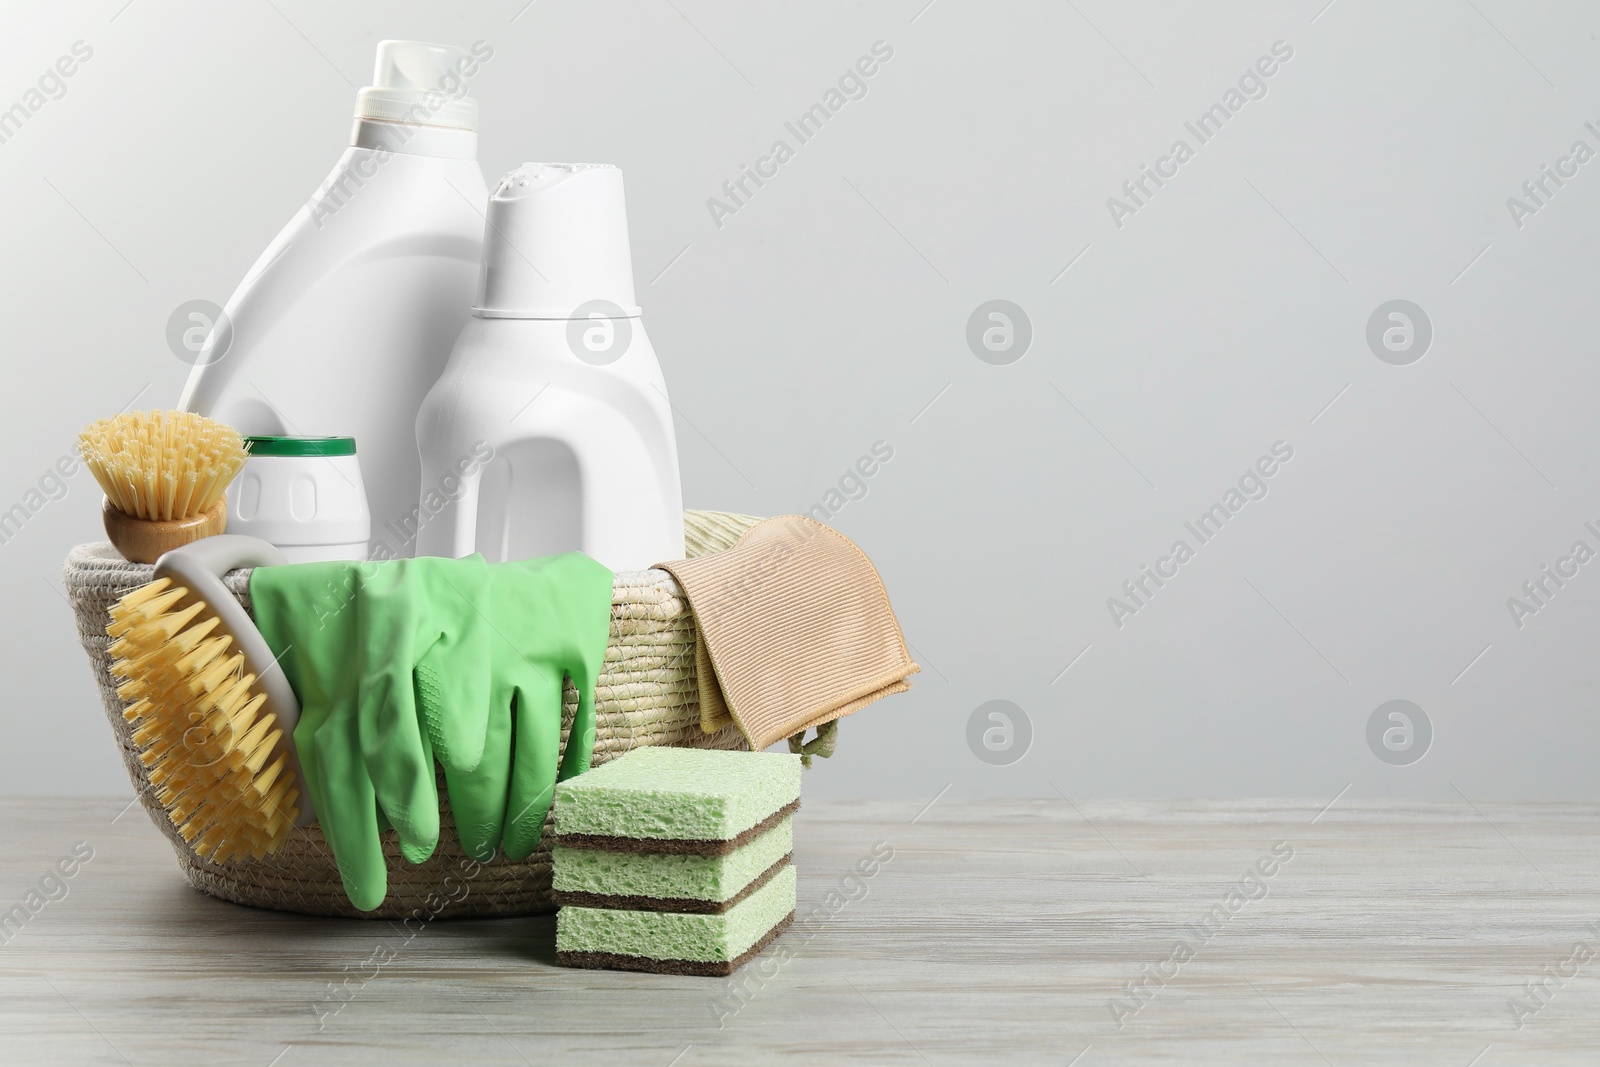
(352, 639)
(549, 619)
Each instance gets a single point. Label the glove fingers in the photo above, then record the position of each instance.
(455, 691)
(348, 815)
(580, 739)
(533, 778)
(399, 762)
(425, 791)
(478, 797)
(305, 748)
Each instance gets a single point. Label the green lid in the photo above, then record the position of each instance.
(300, 446)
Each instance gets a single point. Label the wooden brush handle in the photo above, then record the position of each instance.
(145, 540)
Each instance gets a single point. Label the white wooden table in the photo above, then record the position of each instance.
(998, 932)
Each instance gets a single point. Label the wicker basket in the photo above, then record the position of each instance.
(646, 696)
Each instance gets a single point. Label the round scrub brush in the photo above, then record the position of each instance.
(213, 716)
(164, 474)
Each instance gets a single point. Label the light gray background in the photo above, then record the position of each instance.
(832, 309)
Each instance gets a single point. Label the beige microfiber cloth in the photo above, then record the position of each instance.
(795, 630)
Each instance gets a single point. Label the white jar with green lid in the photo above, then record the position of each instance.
(305, 496)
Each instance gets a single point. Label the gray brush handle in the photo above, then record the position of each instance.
(199, 567)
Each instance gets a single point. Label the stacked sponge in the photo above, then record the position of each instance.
(675, 860)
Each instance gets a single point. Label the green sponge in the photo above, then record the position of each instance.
(675, 942)
(675, 860)
(688, 800)
(606, 878)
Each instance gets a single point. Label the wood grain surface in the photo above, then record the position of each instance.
(996, 931)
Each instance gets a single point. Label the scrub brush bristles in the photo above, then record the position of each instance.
(199, 727)
(162, 465)
(164, 474)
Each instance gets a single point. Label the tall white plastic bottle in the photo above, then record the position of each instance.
(346, 319)
(550, 429)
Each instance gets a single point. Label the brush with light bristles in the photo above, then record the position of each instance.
(213, 716)
(164, 474)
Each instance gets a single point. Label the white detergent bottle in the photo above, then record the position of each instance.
(346, 319)
(550, 429)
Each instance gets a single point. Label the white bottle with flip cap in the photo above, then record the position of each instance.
(555, 379)
(346, 319)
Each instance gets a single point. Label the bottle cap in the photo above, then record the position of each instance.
(423, 84)
(556, 245)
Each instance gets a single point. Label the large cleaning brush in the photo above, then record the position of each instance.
(213, 715)
(164, 474)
